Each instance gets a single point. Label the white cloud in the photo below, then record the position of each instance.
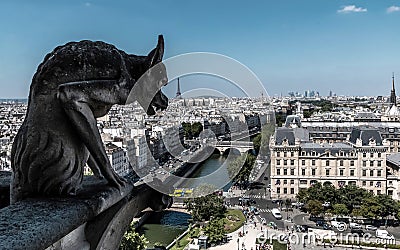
(87, 4)
(351, 8)
(393, 9)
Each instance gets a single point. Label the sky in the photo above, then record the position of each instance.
(349, 47)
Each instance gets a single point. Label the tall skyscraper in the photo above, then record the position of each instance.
(178, 91)
(393, 93)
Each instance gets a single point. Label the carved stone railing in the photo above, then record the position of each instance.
(96, 218)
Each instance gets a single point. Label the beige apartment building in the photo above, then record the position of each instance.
(297, 162)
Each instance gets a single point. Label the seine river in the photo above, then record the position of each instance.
(165, 226)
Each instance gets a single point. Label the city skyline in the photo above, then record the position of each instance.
(348, 47)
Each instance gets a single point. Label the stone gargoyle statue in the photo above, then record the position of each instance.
(75, 84)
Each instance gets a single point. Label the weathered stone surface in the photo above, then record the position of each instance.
(40, 223)
(5, 178)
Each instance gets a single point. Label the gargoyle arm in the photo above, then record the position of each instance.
(81, 100)
(91, 162)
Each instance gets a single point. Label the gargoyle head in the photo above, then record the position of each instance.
(148, 88)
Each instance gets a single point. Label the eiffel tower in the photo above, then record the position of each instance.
(178, 91)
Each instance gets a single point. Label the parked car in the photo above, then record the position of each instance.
(354, 225)
(326, 204)
(359, 232)
(338, 224)
(371, 227)
(272, 225)
(319, 223)
(326, 226)
(302, 228)
(383, 234)
(276, 213)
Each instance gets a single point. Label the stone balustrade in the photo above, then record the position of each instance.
(96, 218)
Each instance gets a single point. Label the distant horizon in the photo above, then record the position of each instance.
(347, 47)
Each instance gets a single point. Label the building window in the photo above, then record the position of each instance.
(351, 172)
(303, 182)
(371, 163)
(364, 163)
(278, 171)
(371, 173)
(371, 183)
(292, 191)
(292, 171)
(285, 190)
(352, 183)
(291, 182)
(292, 154)
(352, 163)
(379, 155)
(278, 154)
(379, 173)
(285, 171)
(292, 162)
(313, 171)
(327, 172)
(285, 154)
(364, 172)
(341, 172)
(379, 192)
(379, 163)
(284, 182)
(278, 190)
(364, 183)
(313, 162)
(327, 163)
(303, 171)
(284, 162)
(364, 155)
(371, 155)
(303, 162)
(278, 162)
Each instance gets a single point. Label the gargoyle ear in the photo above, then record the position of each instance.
(156, 55)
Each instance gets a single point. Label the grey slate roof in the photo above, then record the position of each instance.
(293, 119)
(394, 159)
(365, 115)
(322, 148)
(366, 134)
(290, 134)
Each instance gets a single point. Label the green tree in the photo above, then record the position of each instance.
(240, 169)
(257, 143)
(196, 129)
(352, 196)
(302, 195)
(307, 114)
(187, 129)
(370, 208)
(279, 120)
(340, 209)
(314, 207)
(215, 230)
(133, 240)
(203, 207)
